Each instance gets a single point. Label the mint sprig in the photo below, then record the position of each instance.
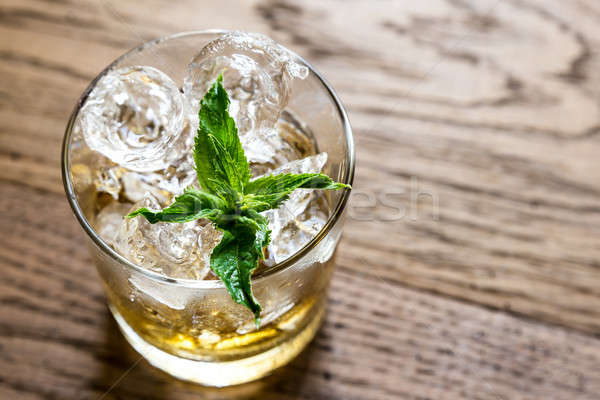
(230, 199)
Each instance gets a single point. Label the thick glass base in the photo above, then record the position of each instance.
(226, 373)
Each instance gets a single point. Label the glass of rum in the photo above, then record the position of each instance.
(191, 328)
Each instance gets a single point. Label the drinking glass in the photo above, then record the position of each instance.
(192, 329)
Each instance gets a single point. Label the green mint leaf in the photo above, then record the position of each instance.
(271, 191)
(260, 226)
(218, 152)
(233, 260)
(226, 192)
(193, 204)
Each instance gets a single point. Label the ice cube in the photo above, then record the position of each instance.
(109, 220)
(300, 217)
(177, 250)
(91, 172)
(267, 148)
(292, 234)
(108, 179)
(166, 295)
(133, 116)
(169, 182)
(256, 74)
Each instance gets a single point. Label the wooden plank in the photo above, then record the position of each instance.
(472, 237)
(59, 341)
(489, 108)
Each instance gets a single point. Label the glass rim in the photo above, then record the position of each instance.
(334, 217)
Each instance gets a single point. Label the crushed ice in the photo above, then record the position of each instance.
(141, 130)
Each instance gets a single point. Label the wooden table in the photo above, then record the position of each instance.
(470, 267)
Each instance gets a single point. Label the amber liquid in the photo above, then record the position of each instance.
(217, 332)
(206, 344)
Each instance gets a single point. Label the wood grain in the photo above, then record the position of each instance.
(470, 263)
